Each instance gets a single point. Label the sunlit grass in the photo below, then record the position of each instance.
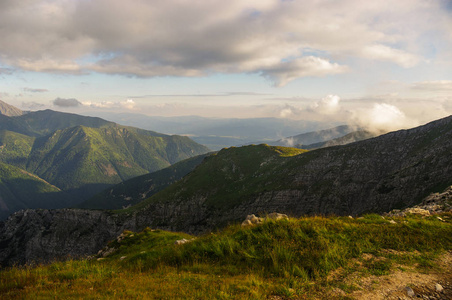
(288, 258)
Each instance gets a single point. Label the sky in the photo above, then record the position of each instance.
(383, 63)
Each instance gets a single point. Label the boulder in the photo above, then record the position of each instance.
(182, 241)
(277, 216)
(253, 220)
(418, 211)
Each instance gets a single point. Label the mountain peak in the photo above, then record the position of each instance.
(9, 110)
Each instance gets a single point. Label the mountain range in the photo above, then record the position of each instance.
(301, 140)
(218, 133)
(9, 110)
(351, 137)
(76, 157)
(394, 170)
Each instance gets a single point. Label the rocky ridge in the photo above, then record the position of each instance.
(9, 110)
(433, 204)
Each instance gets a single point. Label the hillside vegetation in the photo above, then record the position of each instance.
(135, 190)
(230, 176)
(20, 190)
(352, 137)
(15, 148)
(84, 155)
(306, 258)
(78, 156)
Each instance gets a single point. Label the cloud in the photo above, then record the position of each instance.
(281, 40)
(289, 111)
(227, 94)
(50, 66)
(327, 106)
(127, 104)
(382, 117)
(71, 102)
(6, 71)
(33, 90)
(439, 85)
(385, 53)
(309, 66)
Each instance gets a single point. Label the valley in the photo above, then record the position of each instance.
(151, 205)
(79, 156)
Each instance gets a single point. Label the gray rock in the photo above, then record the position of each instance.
(277, 216)
(409, 292)
(251, 220)
(180, 242)
(439, 288)
(183, 241)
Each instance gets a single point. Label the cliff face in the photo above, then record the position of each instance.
(392, 171)
(44, 235)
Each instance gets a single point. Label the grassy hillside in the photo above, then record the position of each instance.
(307, 258)
(20, 189)
(135, 190)
(44, 122)
(343, 140)
(230, 176)
(79, 157)
(394, 170)
(85, 155)
(15, 148)
(13, 124)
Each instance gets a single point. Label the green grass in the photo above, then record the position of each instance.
(20, 190)
(287, 258)
(133, 191)
(86, 160)
(239, 173)
(84, 155)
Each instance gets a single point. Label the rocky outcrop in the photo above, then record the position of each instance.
(253, 220)
(44, 235)
(433, 204)
(396, 170)
(9, 110)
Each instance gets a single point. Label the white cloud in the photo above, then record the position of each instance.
(439, 85)
(128, 104)
(309, 66)
(385, 53)
(327, 106)
(50, 66)
(289, 111)
(196, 38)
(382, 117)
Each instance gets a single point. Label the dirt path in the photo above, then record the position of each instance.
(397, 285)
